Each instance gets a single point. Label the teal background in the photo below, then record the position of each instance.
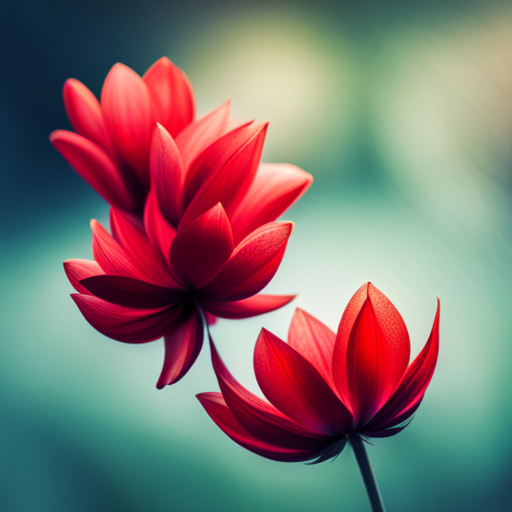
(402, 112)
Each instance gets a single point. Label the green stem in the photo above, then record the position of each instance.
(366, 472)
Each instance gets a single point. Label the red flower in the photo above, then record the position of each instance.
(323, 387)
(206, 243)
(111, 147)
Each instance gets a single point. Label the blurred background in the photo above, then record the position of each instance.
(402, 111)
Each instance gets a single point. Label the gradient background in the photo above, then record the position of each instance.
(402, 112)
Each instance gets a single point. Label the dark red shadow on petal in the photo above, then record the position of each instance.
(413, 385)
(260, 418)
(77, 269)
(125, 324)
(183, 342)
(131, 293)
(313, 340)
(253, 306)
(294, 386)
(251, 267)
(218, 411)
(202, 247)
(131, 236)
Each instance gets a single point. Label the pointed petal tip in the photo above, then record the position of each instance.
(164, 380)
(206, 396)
(164, 60)
(371, 288)
(260, 127)
(119, 69)
(253, 306)
(225, 105)
(263, 337)
(53, 135)
(59, 135)
(290, 225)
(73, 87)
(267, 337)
(120, 66)
(70, 82)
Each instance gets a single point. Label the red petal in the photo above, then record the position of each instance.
(252, 265)
(218, 411)
(224, 172)
(130, 293)
(210, 319)
(414, 383)
(296, 388)
(172, 95)
(125, 324)
(196, 137)
(183, 342)
(167, 173)
(377, 424)
(330, 451)
(128, 113)
(77, 269)
(160, 233)
(348, 319)
(260, 418)
(140, 251)
(371, 352)
(95, 166)
(387, 432)
(274, 189)
(84, 112)
(253, 306)
(313, 340)
(202, 247)
(111, 257)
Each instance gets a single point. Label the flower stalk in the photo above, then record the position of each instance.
(366, 472)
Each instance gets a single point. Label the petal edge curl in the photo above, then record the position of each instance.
(216, 408)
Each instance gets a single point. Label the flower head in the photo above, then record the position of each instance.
(110, 148)
(322, 387)
(206, 243)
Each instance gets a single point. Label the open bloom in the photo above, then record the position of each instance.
(323, 387)
(206, 243)
(110, 148)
